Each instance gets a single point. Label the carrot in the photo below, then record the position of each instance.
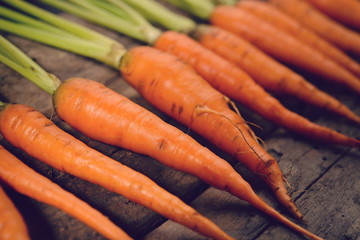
(345, 11)
(32, 132)
(327, 28)
(277, 18)
(281, 45)
(12, 224)
(237, 85)
(204, 110)
(274, 76)
(30, 183)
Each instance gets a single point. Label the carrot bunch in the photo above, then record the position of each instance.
(26, 181)
(256, 163)
(119, 117)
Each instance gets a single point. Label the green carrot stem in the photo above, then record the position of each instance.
(10, 14)
(157, 13)
(68, 26)
(224, 2)
(117, 17)
(20, 62)
(199, 8)
(108, 55)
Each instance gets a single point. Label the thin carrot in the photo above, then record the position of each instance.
(28, 182)
(281, 45)
(200, 107)
(327, 28)
(276, 17)
(273, 76)
(237, 85)
(12, 224)
(32, 132)
(345, 11)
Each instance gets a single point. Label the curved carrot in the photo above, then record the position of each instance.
(345, 11)
(273, 75)
(281, 45)
(29, 130)
(237, 85)
(277, 18)
(28, 182)
(12, 224)
(327, 28)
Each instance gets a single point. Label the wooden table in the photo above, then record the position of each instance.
(324, 179)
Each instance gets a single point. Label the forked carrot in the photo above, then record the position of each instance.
(281, 45)
(12, 224)
(345, 11)
(277, 18)
(32, 132)
(28, 182)
(327, 28)
(273, 76)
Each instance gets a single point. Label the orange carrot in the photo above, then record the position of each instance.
(166, 144)
(327, 28)
(345, 11)
(29, 130)
(273, 76)
(281, 45)
(12, 224)
(28, 182)
(237, 85)
(200, 107)
(277, 18)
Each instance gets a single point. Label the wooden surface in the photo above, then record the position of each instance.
(325, 180)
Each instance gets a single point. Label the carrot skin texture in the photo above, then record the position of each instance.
(327, 28)
(274, 76)
(12, 224)
(277, 18)
(25, 128)
(156, 89)
(345, 11)
(30, 183)
(152, 136)
(281, 45)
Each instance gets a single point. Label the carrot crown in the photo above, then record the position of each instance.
(112, 14)
(20, 62)
(50, 29)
